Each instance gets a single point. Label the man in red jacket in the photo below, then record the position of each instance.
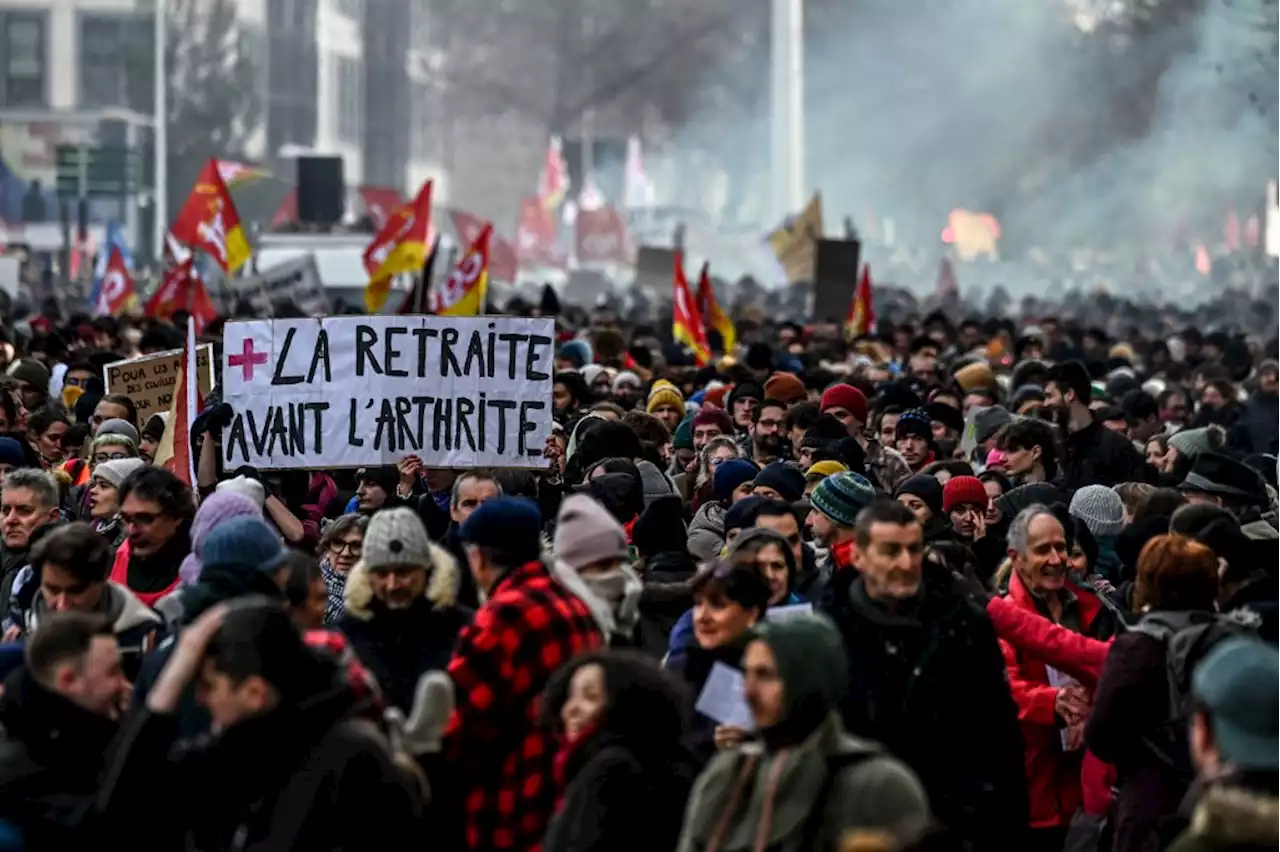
(1051, 707)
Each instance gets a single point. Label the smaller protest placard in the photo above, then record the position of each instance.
(149, 380)
(296, 281)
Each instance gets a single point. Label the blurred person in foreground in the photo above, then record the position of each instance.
(287, 767)
(805, 781)
(1236, 748)
(60, 712)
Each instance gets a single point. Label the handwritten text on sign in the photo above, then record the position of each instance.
(355, 391)
(149, 381)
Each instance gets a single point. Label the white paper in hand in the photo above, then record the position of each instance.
(722, 700)
(1058, 680)
(786, 611)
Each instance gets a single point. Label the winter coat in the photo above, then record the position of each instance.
(1077, 656)
(502, 756)
(11, 562)
(1130, 705)
(50, 760)
(1098, 456)
(811, 579)
(399, 646)
(693, 667)
(932, 688)
(138, 628)
(627, 782)
(886, 467)
(1052, 776)
(153, 577)
(667, 595)
(305, 778)
(706, 532)
(1256, 428)
(1231, 819)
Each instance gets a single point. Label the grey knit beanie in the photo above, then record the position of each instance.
(1101, 509)
(117, 470)
(1191, 443)
(586, 533)
(396, 537)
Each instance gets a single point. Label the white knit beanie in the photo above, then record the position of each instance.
(1101, 509)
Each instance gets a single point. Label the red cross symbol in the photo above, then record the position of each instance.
(247, 359)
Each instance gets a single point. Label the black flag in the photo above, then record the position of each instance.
(416, 302)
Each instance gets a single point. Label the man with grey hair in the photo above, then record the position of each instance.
(471, 490)
(1052, 708)
(29, 500)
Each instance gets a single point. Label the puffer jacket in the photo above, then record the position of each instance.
(706, 532)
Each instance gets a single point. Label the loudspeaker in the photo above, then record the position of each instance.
(321, 190)
(835, 278)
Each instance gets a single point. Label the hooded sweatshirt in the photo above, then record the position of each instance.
(806, 782)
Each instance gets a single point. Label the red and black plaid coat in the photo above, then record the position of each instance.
(528, 628)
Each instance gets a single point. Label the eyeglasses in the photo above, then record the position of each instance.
(99, 458)
(140, 519)
(352, 548)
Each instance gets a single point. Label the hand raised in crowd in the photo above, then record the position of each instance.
(410, 468)
(728, 736)
(186, 660)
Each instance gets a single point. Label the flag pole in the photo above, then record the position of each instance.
(160, 128)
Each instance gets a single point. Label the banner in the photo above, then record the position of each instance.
(601, 237)
(459, 392)
(149, 381)
(795, 243)
(296, 281)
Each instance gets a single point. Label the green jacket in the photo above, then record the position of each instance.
(868, 789)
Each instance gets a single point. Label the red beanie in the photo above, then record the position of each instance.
(715, 396)
(714, 417)
(963, 489)
(847, 397)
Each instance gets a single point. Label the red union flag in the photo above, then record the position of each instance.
(502, 255)
(600, 236)
(536, 242)
(380, 202)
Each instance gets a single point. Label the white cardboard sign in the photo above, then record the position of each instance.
(327, 392)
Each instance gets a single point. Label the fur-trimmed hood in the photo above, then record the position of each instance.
(1234, 816)
(442, 585)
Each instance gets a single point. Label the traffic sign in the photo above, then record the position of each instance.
(96, 171)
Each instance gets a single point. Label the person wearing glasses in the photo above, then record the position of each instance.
(341, 546)
(156, 509)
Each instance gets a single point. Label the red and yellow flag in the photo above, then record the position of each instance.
(209, 221)
(861, 315)
(465, 292)
(401, 246)
(715, 318)
(686, 321)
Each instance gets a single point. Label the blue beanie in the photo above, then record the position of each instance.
(731, 474)
(11, 453)
(244, 542)
(510, 524)
(577, 353)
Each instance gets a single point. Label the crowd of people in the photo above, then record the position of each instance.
(963, 585)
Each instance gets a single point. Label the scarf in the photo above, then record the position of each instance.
(335, 584)
(612, 596)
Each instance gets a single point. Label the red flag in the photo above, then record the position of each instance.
(117, 286)
(186, 405)
(380, 202)
(182, 289)
(600, 236)
(861, 314)
(502, 255)
(287, 211)
(553, 182)
(208, 220)
(686, 322)
(536, 240)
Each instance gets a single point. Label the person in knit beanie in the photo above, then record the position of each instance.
(1190, 444)
(626, 389)
(31, 380)
(922, 494)
(217, 508)
(251, 488)
(965, 500)
(1101, 510)
(848, 405)
(915, 439)
(666, 403)
(103, 498)
(592, 560)
(785, 387)
(836, 503)
(731, 483)
(12, 455)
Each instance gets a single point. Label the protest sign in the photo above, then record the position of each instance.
(149, 380)
(457, 392)
(795, 242)
(295, 281)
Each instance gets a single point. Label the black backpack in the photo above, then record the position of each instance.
(1187, 637)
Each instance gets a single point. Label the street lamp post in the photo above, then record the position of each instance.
(161, 170)
(787, 106)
